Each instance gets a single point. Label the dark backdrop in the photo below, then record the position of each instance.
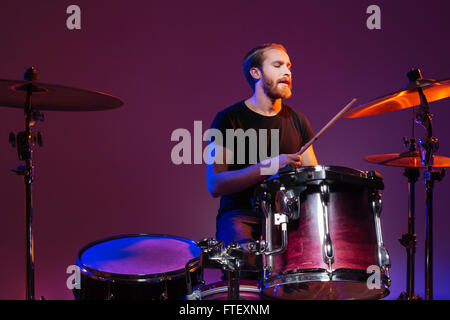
(172, 62)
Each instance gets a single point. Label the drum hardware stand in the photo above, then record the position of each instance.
(430, 176)
(279, 219)
(215, 256)
(24, 141)
(427, 147)
(233, 275)
(283, 205)
(408, 239)
(193, 294)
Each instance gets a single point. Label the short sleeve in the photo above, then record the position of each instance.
(221, 122)
(303, 126)
(306, 131)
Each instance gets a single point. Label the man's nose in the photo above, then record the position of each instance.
(287, 71)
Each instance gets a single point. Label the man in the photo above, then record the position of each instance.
(267, 68)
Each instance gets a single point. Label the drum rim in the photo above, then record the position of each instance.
(155, 277)
(321, 275)
(339, 169)
(247, 286)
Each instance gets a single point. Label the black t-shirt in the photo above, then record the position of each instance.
(294, 132)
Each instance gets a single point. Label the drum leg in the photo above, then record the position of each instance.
(191, 293)
(233, 284)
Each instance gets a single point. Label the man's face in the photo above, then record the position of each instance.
(276, 74)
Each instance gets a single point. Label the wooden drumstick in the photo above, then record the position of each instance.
(329, 124)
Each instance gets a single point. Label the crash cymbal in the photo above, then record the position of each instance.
(55, 97)
(403, 99)
(410, 159)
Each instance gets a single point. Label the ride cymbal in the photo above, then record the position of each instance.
(55, 97)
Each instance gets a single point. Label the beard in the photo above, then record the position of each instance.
(274, 92)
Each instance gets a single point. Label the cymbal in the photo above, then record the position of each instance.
(55, 97)
(403, 99)
(410, 159)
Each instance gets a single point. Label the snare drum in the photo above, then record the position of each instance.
(334, 238)
(155, 267)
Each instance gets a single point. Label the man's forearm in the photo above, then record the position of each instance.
(227, 182)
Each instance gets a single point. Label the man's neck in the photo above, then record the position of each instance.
(262, 104)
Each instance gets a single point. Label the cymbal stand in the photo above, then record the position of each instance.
(427, 146)
(24, 141)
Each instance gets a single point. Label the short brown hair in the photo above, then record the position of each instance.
(254, 59)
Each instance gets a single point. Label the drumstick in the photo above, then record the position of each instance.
(336, 117)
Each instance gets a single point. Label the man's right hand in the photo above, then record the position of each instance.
(294, 160)
(272, 165)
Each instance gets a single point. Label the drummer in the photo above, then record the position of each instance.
(267, 69)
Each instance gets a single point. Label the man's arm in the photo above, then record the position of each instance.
(309, 158)
(221, 181)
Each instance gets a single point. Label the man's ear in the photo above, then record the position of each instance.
(255, 73)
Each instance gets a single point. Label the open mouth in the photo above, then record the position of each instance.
(285, 82)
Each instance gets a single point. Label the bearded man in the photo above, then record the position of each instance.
(267, 69)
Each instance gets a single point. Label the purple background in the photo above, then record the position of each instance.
(172, 62)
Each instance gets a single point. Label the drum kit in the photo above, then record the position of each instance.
(321, 228)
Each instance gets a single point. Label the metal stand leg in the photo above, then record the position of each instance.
(30, 243)
(233, 284)
(28, 180)
(430, 177)
(429, 242)
(408, 239)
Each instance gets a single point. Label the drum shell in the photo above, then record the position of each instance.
(352, 229)
(162, 288)
(98, 284)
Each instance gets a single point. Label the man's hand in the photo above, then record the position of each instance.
(294, 160)
(272, 165)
